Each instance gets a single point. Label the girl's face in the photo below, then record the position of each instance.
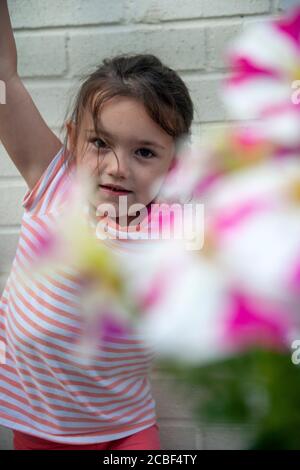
(145, 153)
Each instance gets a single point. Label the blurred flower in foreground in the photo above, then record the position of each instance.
(252, 212)
(225, 317)
(265, 73)
(105, 305)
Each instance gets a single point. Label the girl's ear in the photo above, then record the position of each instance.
(173, 163)
(71, 134)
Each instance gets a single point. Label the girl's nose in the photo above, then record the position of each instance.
(117, 164)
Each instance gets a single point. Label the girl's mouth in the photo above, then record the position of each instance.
(115, 192)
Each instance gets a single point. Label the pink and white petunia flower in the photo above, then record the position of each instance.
(264, 82)
(183, 319)
(195, 312)
(253, 321)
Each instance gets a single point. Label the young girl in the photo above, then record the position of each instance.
(124, 127)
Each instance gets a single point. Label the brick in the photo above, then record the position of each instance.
(8, 246)
(179, 48)
(7, 167)
(206, 96)
(155, 11)
(251, 21)
(282, 5)
(32, 14)
(3, 279)
(234, 7)
(200, 444)
(173, 400)
(51, 99)
(226, 437)
(278, 5)
(60, 134)
(6, 438)
(219, 38)
(178, 436)
(41, 54)
(203, 134)
(11, 195)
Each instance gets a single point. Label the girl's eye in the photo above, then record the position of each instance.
(102, 143)
(148, 150)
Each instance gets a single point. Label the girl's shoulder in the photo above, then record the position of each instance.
(48, 191)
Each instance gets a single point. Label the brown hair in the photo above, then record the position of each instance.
(140, 76)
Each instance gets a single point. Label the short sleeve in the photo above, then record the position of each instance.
(42, 196)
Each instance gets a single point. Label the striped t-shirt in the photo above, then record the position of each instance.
(45, 389)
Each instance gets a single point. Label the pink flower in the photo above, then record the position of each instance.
(295, 277)
(255, 323)
(47, 244)
(232, 217)
(265, 65)
(109, 325)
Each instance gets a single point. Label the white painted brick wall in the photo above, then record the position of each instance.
(59, 40)
(41, 55)
(177, 44)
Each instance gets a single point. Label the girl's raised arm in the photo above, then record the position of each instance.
(28, 140)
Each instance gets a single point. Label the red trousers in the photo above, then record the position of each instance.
(147, 439)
